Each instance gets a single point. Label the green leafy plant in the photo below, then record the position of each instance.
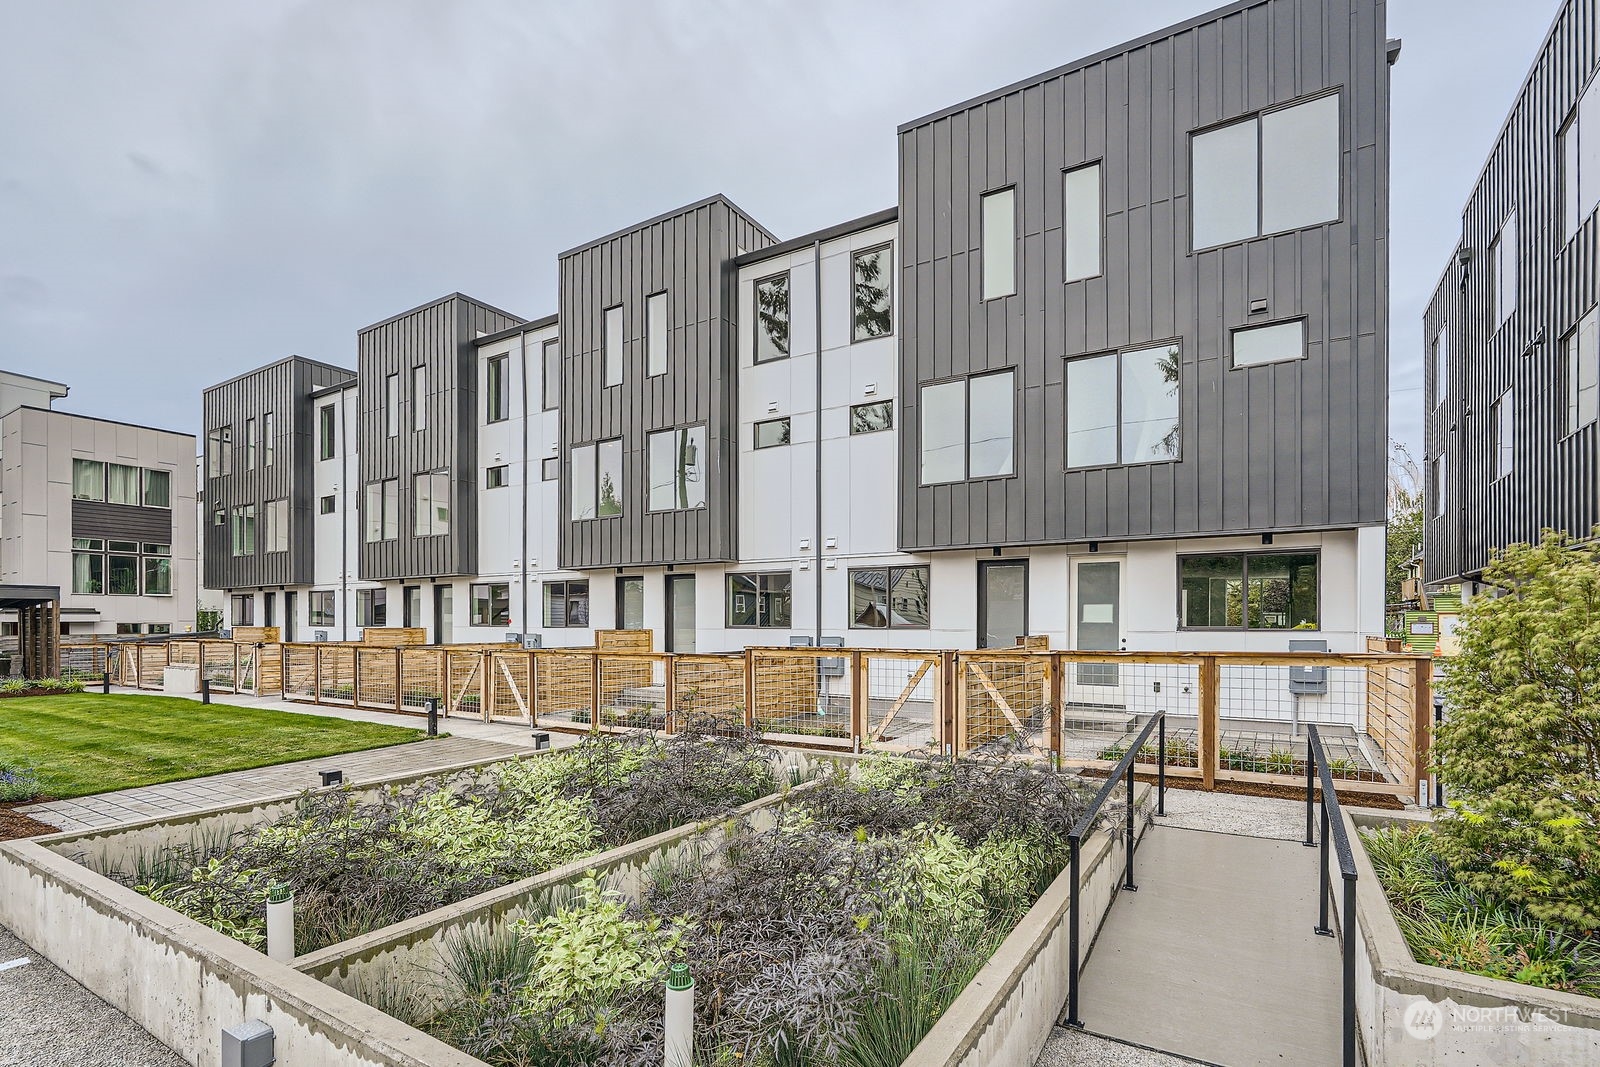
(18, 782)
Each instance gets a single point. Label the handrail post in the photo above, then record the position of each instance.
(1311, 781)
(1161, 767)
(1074, 920)
(1347, 924)
(1324, 890)
(1127, 880)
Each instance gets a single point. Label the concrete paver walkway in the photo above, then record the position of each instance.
(1214, 957)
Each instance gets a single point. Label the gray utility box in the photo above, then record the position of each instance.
(1308, 681)
(247, 1044)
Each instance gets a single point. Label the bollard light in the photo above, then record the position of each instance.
(679, 1041)
(280, 923)
(331, 778)
(541, 740)
(433, 716)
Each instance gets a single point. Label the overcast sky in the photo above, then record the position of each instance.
(190, 190)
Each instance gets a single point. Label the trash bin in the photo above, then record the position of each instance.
(180, 678)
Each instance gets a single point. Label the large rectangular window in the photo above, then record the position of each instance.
(873, 417)
(1581, 348)
(677, 468)
(419, 398)
(1269, 173)
(381, 510)
(326, 448)
(760, 600)
(630, 603)
(88, 479)
(968, 428)
(581, 465)
(496, 395)
(889, 598)
(1503, 425)
(219, 451)
(157, 569)
(773, 433)
(566, 604)
(157, 489)
(608, 478)
(244, 530)
(491, 604)
(430, 494)
(656, 334)
(391, 405)
(1248, 591)
(772, 318)
(319, 606)
(1123, 408)
(552, 374)
(122, 484)
(88, 565)
(999, 249)
(372, 607)
(872, 273)
(1503, 266)
(613, 345)
(242, 610)
(277, 525)
(1080, 223)
(1580, 161)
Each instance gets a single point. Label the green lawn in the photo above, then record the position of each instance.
(91, 743)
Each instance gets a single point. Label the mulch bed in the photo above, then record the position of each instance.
(14, 824)
(39, 693)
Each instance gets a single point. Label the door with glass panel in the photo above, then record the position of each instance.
(291, 606)
(1096, 598)
(1002, 602)
(680, 613)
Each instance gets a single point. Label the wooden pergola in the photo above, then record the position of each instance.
(38, 609)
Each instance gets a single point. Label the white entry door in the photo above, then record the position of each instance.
(1096, 593)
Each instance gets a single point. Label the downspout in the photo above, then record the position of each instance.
(351, 496)
(816, 541)
(527, 474)
(1459, 430)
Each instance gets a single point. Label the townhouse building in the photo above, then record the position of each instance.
(1113, 371)
(1512, 331)
(96, 511)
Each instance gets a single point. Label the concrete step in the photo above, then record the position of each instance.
(1097, 717)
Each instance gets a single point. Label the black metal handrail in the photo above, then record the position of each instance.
(1085, 825)
(1319, 773)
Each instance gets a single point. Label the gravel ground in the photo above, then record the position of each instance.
(1230, 813)
(1073, 1048)
(48, 1020)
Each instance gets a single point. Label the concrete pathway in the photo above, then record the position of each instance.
(1214, 958)
(469, 740)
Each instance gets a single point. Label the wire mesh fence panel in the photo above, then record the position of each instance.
(565, 688)
(219, 664)
(633, 691)
(422, 677)
(299, 672)
(466, 674)
(377, 685)
(1262, 711)
(83, 663)
(904, 701)
(1004, 703)
(336, 674)
(801, 694)
(708, 690)
(245, 674)
(510, 691)
(1105, 703)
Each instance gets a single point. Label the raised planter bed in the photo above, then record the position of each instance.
(1413, 1013)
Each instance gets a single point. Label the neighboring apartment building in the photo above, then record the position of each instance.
(1512, 333)
(102, 510)
(1114, 371)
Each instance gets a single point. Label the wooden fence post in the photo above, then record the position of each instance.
(484, 688)
(860, 697)
(316, 674)
(1210, 679)
(1422, 730)
(944, 723)
(595, 681)
(1052, 703)
(355, 677)
(533, 687)
(669, 712)
(749, 690)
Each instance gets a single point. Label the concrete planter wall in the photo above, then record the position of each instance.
(1411, 1014)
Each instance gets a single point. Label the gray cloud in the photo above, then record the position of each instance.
(203, 187)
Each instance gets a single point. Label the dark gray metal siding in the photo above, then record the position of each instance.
(1288, 446)
(1553, 480)
(283, 389)
(688, 255)
(92, 518)
(440, 336)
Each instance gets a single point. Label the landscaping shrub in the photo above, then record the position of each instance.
(18, 782)
(1449, 924)
(837, 937)
(357, 863)
(1519, 753)
(14, 686)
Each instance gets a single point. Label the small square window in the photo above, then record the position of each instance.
(326, 505)
(871, 418)
(550, 469)
(494, 477)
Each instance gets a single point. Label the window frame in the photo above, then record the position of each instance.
(101, 479)
(1234, 332)
(419, 398)
(432, 527)
(328, 505)
(983, 241)
(889, 403)
(966, 426)
(269, 431)
(547, 472)
(327, 431)
(391, 405)
(607, 350)
(788, 433)
(315, 615)
(1314, 551)
(277, 523)
(1502, 445)
(495, 477)
(761, 590)
(1067, 277)
(496, 395)
(145, 486)
(890, 574)
(651, 341)
(619, 592)
(1497, 271)
(886, 248)
(567, 595)
(755, 317)
(550, 383)
(1119, 354)
(370, 604)
(1336, 91)
(494, 617)
(1572, 358)
(983, 601)
(678, 433)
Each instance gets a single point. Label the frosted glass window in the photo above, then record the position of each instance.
(1092, 411)
(1437, 484)
(999, 244)
(277, 526)
(269, 434)
(1276, 343)
(944, 432)
(1300, 165)
(582, 472)
(1081, 223)
(1503, 262)
(391, 405)
(613, 345)
(772, 318)
(1583, 372)
(431, 501)
(1502, 422)
(992, 414)
(677, 469)
(1571, 214)
(1150, 405)
(655, 313)
(1441, 364)
(608, 484)
(497, 401)
(552, 375)
(419, 398)
(1225, 185)
(122, 484)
